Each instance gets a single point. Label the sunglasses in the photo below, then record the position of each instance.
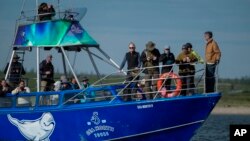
(131, 47)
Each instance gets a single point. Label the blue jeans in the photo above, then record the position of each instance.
(210, 77)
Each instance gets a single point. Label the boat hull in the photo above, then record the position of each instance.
(164, 119)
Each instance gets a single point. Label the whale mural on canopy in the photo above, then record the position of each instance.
(35, 130)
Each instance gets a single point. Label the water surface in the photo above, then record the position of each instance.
(216, 128)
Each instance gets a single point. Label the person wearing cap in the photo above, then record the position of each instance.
(16, 71)
(58, 83)
(66, 85)
(196, 54)
(184, 60)
(213, 55)
(85, 82)
(150, 60)
(47, 74)
(167, 59)
(192, 66)
(132, 58)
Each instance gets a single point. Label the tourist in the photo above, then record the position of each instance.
(4, 88)
(140, 95)
(184, 60)
(167, 59)
(47, 74)
(58, 84)
(74, 83)
(213, 55)
(15, 72)
(85, 83)
(196, 54)
(65, 85)
(132, 58)
(192, 66)
(22, 100)
(46, 12)
(150, 59)
(21, 88)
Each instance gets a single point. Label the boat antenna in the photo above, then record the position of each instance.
(58, 6)
(22, 12)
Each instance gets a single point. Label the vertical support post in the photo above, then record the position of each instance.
(217, 78)
(93, 62)
(9, 66)
(37, 14)
(71, 68)
(205, 73)
(38, 69)
(64, 66)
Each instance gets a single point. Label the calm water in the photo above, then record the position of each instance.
(216, 128)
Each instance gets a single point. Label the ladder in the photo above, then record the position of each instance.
(21, 53)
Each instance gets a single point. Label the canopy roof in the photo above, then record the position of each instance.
(53, 34)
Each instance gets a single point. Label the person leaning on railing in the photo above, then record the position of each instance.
(184, 60)
(150, 59)
(213, 55)
(132, 58)
(192, 66)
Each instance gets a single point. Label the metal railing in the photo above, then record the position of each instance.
(32, 16)
(133, 89)
(119, 78)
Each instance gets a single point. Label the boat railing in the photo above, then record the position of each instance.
(32, 16)
(115, 87)
(130, 87)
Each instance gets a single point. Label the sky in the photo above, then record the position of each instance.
(114, 23)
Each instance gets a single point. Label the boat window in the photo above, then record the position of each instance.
(25, 101)
(48, 100)
(74, 98)
(103, 95)
(5, 102)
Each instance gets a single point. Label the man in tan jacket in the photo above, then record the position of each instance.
(213, 55)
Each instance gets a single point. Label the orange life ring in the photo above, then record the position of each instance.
(165, 92)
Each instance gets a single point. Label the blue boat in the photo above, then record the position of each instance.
(98, 112)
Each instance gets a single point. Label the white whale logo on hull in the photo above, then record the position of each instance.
(35, 130)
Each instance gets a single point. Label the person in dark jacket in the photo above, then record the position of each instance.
(46, 12)
(168, 59)
(47, 74)
(74, 83)
(16, 71)
(132, 58)
(150, 59)
(4, 88)
(185, 59)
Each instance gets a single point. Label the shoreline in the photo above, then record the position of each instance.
(231, 110)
